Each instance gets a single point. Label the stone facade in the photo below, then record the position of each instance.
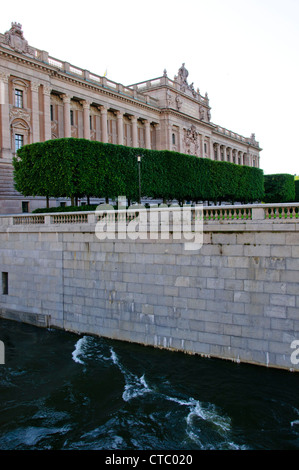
(44, 98)
(235, 298)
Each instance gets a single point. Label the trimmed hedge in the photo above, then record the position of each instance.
(297, 190)
(279, 188)
(83, 168)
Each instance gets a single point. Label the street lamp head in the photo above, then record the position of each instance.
(139, 158)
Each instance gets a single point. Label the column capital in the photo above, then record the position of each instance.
(119, 114)
(34, 86)
(47, 90)
(4, 77)
(66, 98)
(133, 118)
(103, 108)
(86, 104)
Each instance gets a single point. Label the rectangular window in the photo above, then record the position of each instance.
(173, 139)
(90, 122)
(72, 117)
(25, 206)
(4, 283)
(19, 98)
(205, 146)
(52, 112)
(19, 141)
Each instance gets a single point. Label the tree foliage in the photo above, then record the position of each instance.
(279, 188)
(82, 168)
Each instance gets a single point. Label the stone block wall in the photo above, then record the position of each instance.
(236, 298)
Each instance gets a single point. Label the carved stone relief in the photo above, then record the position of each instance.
(19, 113)
(191, 141)
(14, 38)
(178, 102)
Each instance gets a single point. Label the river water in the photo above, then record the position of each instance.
(62, 391)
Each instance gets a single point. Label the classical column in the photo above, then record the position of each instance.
(218, 152)
(5, 128)
(170, 144)
(230, 151)
(120, 128)
(147, 134)
(67, 115)
(225, 154)
(86, 119)
(202, 138)
(35, 112)
(134, 131)
(181, 145)
(104, 124)
(212, 156)
(47, 112)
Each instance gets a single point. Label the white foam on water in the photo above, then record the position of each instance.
(213, 419)
(134, 386)
(79, 350)
(294, 422)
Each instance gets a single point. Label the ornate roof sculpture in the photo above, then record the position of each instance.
(14, 38)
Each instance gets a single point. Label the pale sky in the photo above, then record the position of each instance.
(243, 53)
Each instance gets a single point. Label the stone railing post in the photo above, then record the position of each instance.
(258, 213)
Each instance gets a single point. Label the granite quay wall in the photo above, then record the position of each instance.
(236, 297)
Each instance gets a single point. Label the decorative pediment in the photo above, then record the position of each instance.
(14, 38)
(20, 125)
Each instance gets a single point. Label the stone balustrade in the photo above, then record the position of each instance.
(261, 213)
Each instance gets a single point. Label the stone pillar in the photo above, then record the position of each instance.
(35, 112)
(170, 144)
(147, 134)
(67, 115)
(47, 112)
(104, 124)
(230, 154)
(212, 156)
(134, 131)
(181, 145)
(5, 127)
(86, 119)
(218, 152)
(120, 128)
(202, 138)
(223, 147)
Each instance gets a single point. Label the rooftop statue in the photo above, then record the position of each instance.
(14, 38)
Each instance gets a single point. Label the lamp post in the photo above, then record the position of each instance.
(139, 175)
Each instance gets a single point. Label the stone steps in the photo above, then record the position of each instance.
(6, 181)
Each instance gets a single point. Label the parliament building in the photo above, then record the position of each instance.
(45, 98)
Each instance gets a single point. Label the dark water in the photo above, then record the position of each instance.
(61, 391)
